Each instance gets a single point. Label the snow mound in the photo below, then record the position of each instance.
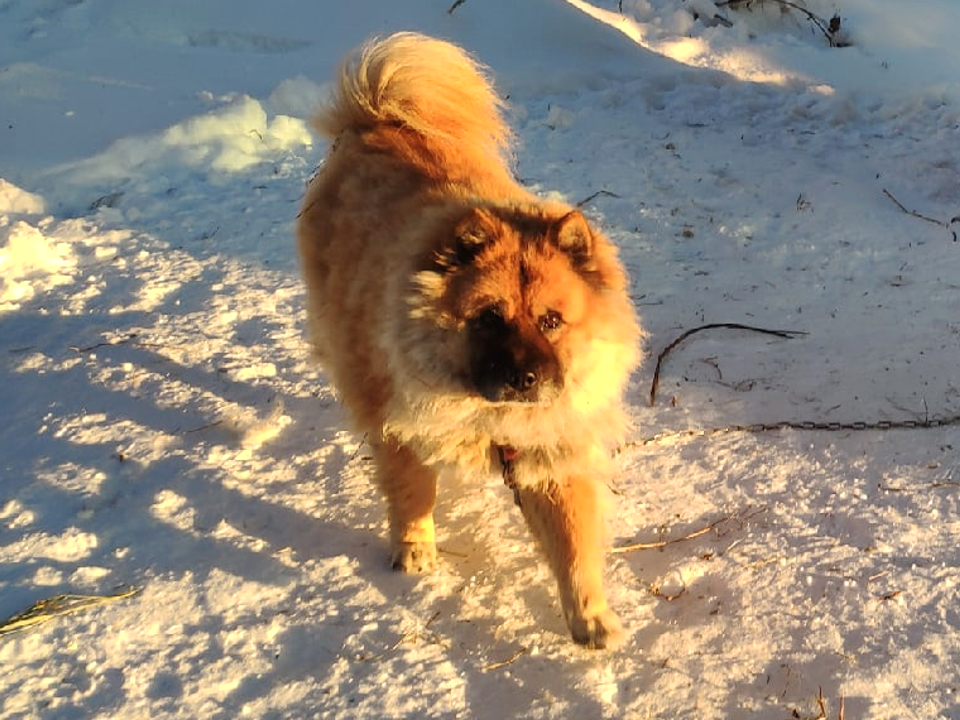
(30, 262)
(228, 140)
(17, 201)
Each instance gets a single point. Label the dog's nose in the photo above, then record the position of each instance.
(508, 366)
(522, 380)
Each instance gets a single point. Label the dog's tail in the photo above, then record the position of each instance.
(427, 93)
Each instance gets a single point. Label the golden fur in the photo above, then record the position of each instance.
(459, 315)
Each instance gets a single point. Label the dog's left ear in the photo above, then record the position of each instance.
(572, 235)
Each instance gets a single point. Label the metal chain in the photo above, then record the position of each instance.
(858, 426)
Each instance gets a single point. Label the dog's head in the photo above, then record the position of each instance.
(520, 288)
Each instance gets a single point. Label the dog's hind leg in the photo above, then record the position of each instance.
(567, 520)
(410, 489)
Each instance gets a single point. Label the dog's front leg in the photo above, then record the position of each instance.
(566, 518)
(410, 489)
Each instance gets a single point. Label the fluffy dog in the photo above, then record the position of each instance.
(465, 322)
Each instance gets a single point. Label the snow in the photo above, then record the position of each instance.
(164, 427)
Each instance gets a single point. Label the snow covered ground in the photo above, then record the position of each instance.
(163, 428)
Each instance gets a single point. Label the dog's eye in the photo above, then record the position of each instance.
(490, 317)
(466, 249)
(550, 320)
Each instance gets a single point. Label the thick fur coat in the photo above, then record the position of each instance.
(463, 320)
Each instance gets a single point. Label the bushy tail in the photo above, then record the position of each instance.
(426, 86)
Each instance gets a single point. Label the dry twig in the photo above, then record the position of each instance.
(822, 709)
(595, 195)
(199, 428)
(657, 590)
(830, 28)
(921, 216)
(412, 636)
(786, 334)
(657, 544)
(504, 663)
(129, 337)
(887, 597)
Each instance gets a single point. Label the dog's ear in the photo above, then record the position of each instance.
(470, 235)
(572, 235)
(591, 255)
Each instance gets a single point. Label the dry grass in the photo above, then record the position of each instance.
(50, 608)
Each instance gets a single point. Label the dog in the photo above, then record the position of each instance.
(465, 322)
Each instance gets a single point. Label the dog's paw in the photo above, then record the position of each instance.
(414, 557)
(601, 631)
